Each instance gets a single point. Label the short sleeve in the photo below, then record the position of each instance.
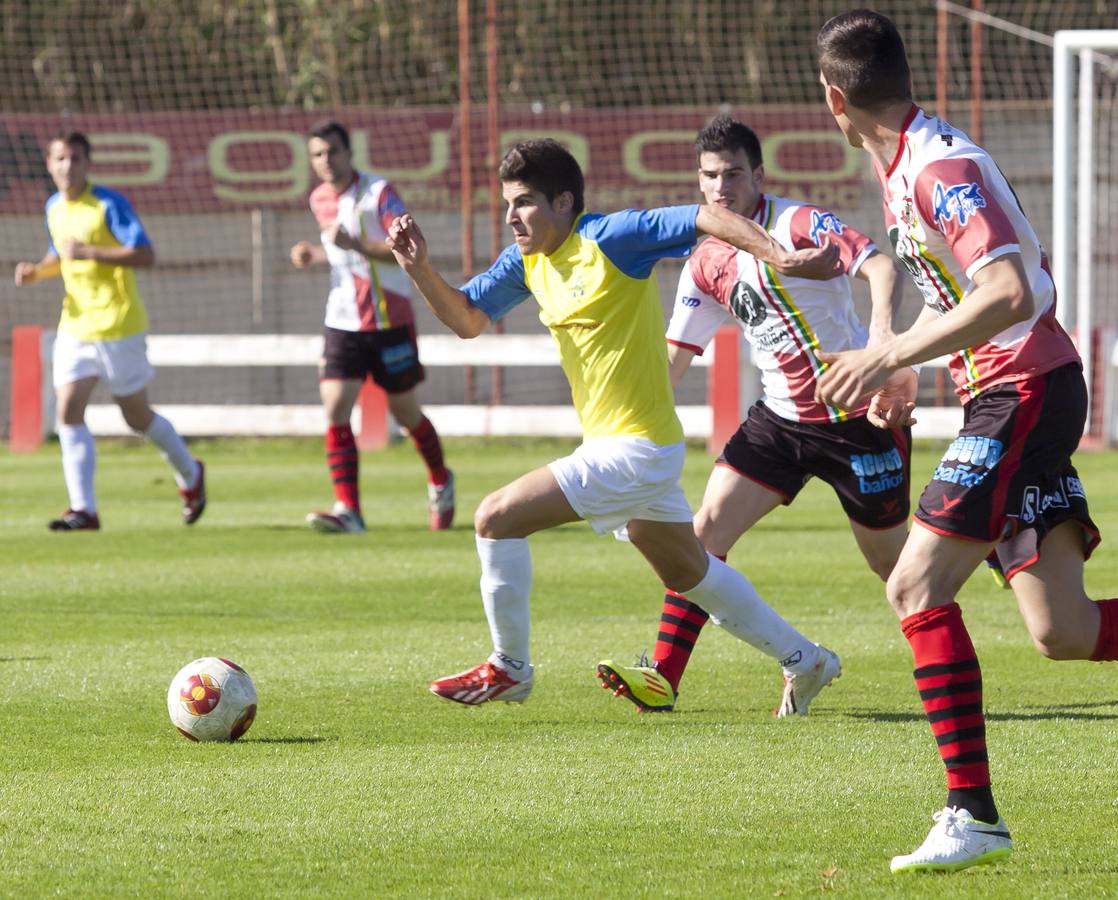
(121, 219)
(696, 315)
(954, 197)
(46, 223)
(814, 227)
(501, 287)
(390, 206)
(635, 240)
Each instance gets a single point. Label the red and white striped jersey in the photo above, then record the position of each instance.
(365, 295)
(785, 319)
(950, 211)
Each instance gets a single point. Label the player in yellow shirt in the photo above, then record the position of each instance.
(592, 278)
(96, 243)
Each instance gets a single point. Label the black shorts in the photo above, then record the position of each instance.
(868, 467)
(1008, 476)
(391, 357)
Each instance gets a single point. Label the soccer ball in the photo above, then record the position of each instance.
(212, 699)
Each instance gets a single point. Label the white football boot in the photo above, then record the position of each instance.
(956, 841)
(800, 689)
(340, 520)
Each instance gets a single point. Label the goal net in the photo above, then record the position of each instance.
(198, 112)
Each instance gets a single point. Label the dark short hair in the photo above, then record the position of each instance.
(545, 166)
(326, 127)
(862, 53)
(72, 139)
(723, 134)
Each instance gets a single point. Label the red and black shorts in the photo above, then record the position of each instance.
(1008, 476)
(868, 467)
(390, 357)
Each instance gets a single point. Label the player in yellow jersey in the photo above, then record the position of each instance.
(96, 243)
(592, 278)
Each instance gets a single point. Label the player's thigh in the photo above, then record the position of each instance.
(931, 569)
(72, 398)
(338, 396)
(531, 503)
(881, 547)
(672, 549)
(732, 504)
(1062, 621)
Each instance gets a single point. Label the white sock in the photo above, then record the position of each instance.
(79, 460)
(506, 585)
(734, 603)
(162, 433)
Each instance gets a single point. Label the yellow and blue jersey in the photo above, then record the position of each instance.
(597, 296)
(102, 302)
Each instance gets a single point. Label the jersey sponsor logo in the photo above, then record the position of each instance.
(960, 201)
(821, 224)
(878, 472)
(747, 304)
(691, 302)
(968, 460)
(771, 339)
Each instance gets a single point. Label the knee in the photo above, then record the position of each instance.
(906, 589)
(491, 516)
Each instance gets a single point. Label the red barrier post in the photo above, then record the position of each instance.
(724, 388)
(27, 388)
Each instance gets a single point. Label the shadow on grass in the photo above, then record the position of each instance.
(4, 659)
(289, 740)
(1050, 711)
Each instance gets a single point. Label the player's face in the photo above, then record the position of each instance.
(726, 179)
(67, 166)
(836, 103)
(539, 225)
(331, 160)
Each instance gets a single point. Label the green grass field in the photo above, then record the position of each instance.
(355, 781)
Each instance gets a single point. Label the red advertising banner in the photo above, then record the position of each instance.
(213, 161)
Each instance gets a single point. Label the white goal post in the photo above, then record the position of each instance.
(1073, 197)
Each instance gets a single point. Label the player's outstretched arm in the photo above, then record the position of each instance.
(879, 272)
(818, 263)
(450, 305)
(29, 272)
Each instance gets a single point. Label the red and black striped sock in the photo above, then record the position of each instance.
(680, 624)
(341, 456)
(1106, 648)
(949, 680)
(426, 441)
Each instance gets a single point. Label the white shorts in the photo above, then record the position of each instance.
(123, 365)
(610, 481)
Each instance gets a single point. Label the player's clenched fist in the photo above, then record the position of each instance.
(302, 254)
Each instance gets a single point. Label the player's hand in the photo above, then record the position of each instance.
(71, 249)
(407, 242)
(817, 263)
(892, 406)
(850, 376)
(302, 254)
(25, 273)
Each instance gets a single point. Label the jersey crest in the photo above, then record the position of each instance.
(960, 201)
(747, 305)
(821, 224)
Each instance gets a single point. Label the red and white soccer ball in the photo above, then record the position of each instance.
(212, 699)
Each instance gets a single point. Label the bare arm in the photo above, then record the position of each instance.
(450, 305)
(878, 271)
(818, 263)
(29, 272)
(1001, 298)
(378, 250)
(679, 361)
(133, 257)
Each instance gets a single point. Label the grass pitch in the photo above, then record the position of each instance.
(355, 781)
